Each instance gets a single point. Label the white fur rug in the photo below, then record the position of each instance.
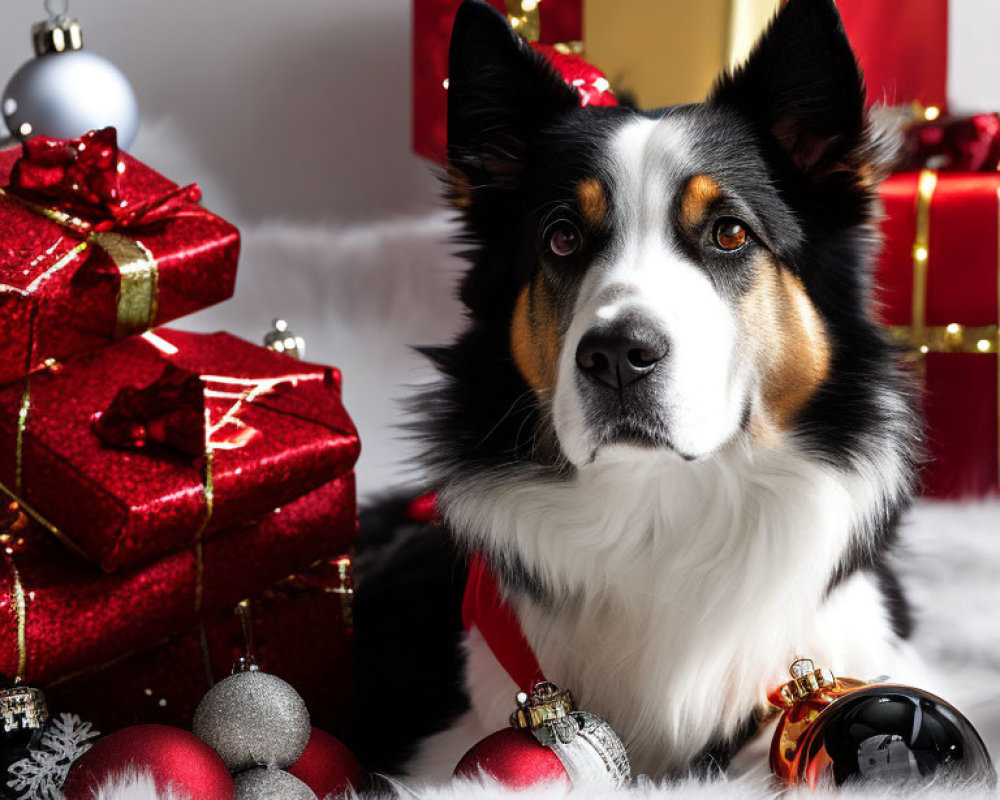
(362, 295)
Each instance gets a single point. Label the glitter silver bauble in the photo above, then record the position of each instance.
(253, 719)
(270, 784)
(66, 91)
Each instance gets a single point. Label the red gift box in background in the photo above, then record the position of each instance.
(938, 290)
(903, 53)
(432, 21)
(275, 427)
(76, 275)
(75, 617)
(299, 630)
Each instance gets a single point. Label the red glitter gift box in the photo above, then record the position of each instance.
(66, 616)
(938, 290)
(152, 444)
(97, 246)
(299, 630)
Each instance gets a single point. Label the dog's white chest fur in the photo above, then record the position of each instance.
(677, 594)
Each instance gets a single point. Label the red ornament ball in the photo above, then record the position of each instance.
(514, 758)
(326, 766)
(171, 755)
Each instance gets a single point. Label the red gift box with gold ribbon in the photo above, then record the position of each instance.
(938, 292)
(96, 247)
(153, 444)
(65, 615)
(298, 630)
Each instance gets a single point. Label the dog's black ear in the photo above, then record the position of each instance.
(802, 86)
(500, 93)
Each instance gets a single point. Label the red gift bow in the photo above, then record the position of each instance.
(954, 144)
(80, 176)
(170, 411)
(589, 82)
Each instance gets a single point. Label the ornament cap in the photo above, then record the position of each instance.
(806, 679)
(22, 708)
(57, 35)
(546, 704)
(245, 664)
(282, 340)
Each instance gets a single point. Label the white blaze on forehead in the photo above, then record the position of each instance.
(645, 273)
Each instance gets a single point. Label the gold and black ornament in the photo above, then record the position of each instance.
(835, 731)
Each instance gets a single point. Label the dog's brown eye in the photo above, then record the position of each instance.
(730, 234)
(564, 238)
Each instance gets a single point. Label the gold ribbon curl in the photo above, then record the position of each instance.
(19, 605)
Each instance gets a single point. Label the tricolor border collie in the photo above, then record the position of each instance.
(671, 425)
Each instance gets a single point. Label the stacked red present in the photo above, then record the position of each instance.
(157, 482)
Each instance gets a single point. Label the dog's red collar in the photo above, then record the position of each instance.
(485, 608)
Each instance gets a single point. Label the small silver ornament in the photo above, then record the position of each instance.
(65, 90)
(253, 719)
(282, 340)
(262, 783)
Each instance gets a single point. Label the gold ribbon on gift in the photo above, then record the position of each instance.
(138, 290)
(12, 525)
(20, 608)
(137, 267)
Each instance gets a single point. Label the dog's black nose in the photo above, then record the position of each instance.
(621, 353)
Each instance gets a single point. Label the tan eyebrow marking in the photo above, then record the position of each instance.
(701, 191)
(592, 200)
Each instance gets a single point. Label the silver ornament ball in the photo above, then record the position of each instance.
(253, 719)
(66, 91)
(262, 783)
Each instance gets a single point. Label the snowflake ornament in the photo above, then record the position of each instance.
(42, 774)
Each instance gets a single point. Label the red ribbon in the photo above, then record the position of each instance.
(484, 607)
(80, 176)
(169, 412)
